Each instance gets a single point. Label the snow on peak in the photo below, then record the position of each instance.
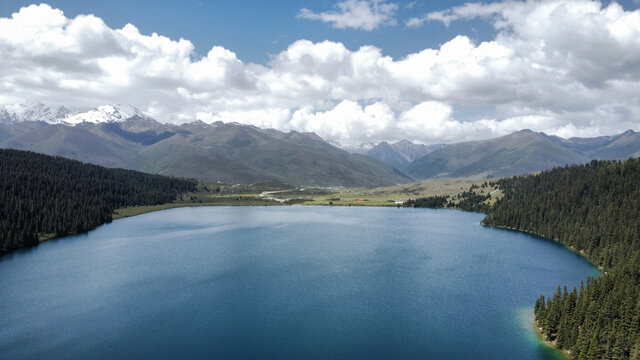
(361, 148)
(103, 114)
(35, 111)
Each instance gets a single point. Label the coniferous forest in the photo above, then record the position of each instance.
(43, 196)
(594, 209)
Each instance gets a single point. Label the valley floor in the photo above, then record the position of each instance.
(211, 194)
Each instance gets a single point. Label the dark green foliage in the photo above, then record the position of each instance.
(44, 195)
(594, 209)
(434, 202)
(469, 201)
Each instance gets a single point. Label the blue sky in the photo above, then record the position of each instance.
(255, 29)
(462, 71)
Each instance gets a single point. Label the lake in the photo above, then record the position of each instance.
(283, 282)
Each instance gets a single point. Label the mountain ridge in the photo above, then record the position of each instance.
(522, 152)
(123, 136)
(225, 152)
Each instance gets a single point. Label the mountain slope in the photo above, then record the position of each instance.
(518, 153)
(387, 154)
(621, 146)
(401, 153)
(230, 153)
(521, 153)
(411, 151)
(77, 143)
(294, 158)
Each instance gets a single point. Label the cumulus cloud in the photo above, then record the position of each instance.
(356, 14)
(569, 68)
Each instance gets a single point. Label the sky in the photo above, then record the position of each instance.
(351, 71)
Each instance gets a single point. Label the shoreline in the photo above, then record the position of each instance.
(565, 354)
(557, 241)
(541, 337)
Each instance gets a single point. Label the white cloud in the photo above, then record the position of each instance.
(466, 12)
(356, 14)
(412, 4)
(563, 67)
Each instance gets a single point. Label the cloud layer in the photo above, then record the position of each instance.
(570, 68)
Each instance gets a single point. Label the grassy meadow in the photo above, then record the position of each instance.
(275, 194)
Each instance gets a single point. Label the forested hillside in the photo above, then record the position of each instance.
(594, 209)
(43, 196)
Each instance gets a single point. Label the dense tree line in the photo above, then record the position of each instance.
(43, 196)
(594, 209)
(434, 202)
(467, 200)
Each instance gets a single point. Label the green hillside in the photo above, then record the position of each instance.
(595, 210)
(43, 196)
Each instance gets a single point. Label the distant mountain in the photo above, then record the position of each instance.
(123, 136)
(412, 151)
(401, 153)
(361, 148)
(620, 146)
(520, 153)
(387, 154)
(61, 115)
(231, 153)
(32, 112)
(103, 114)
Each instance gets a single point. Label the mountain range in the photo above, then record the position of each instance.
(121, 136)
(522, 152)
(519, 153)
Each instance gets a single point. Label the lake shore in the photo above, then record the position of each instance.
(557, 241)
(565, 353)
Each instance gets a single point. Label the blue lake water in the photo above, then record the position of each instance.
(283, 282)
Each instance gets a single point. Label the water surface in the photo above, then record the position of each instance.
(283, 282)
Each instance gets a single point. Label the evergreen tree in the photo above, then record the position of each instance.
(42, 196)
(594, 209)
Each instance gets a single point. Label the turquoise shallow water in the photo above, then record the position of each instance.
(285, 282)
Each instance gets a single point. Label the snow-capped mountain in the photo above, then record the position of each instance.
(361, 148)
(103, 114)
(32, 112)
(61, 115)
